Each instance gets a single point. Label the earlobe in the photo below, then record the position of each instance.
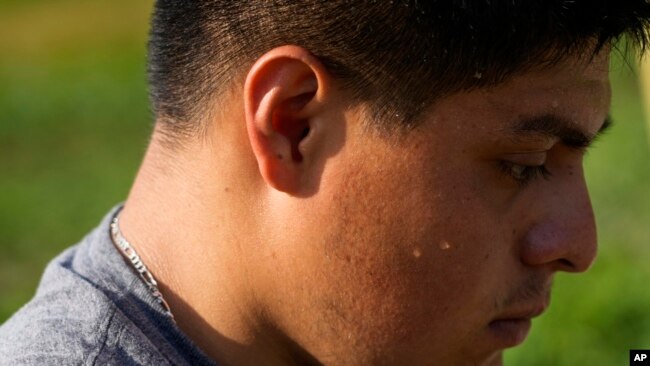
(283, 93)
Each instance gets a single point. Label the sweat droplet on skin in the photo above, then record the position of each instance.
(444, 245)
(417, 253)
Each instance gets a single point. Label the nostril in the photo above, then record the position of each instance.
(568, 265)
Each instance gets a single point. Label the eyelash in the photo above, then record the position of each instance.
(528, 174)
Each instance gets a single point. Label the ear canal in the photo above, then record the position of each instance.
(304, 134)
(296, 129)
(295, 152)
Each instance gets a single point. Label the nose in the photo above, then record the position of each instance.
(564, 237)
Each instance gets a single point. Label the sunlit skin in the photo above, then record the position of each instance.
(434, 246)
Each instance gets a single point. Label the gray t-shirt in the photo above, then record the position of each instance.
(91, 308)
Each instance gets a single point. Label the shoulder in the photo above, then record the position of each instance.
(92, 308)
(72, 321)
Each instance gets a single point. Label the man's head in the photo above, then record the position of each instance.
(396, 56)
(379, 183)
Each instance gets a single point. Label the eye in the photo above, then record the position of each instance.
(524, 174)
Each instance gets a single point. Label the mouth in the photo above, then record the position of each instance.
(512, 328)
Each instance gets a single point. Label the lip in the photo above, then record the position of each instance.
(512, 328)
(526, 312)
(510, 332)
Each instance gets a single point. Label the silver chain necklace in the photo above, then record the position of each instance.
(127, 250)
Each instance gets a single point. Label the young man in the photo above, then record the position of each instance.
(342, 183)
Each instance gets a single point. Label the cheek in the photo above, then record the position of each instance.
(403, 265)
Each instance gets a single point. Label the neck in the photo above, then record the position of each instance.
(180, 217)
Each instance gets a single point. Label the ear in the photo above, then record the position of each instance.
(284, 90)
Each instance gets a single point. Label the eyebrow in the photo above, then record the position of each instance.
(555, 126)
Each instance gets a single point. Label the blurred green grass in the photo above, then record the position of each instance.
(74, 122)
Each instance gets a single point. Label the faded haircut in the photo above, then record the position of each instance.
(396, 56)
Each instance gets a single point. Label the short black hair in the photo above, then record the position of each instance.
(398, 56)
